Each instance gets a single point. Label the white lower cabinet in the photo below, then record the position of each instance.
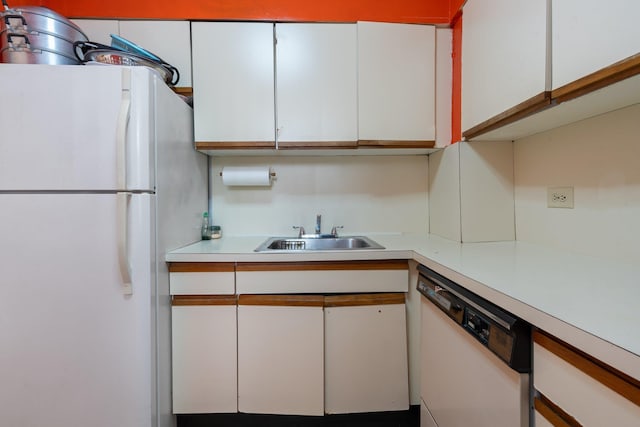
(366, 367)
(280, 354)
(203, 338)
(289, 353)
(573, 388)
(204, 355)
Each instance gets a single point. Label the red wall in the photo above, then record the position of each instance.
(456, 84)
(410, 11)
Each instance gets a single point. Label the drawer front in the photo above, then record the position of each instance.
(560, 374)
(338, 277)
(202, 283)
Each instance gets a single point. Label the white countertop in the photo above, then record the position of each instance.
(591, 303)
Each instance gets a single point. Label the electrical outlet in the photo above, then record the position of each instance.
(560, 197)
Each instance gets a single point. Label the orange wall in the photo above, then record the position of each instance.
(456, 84)
(411, 11)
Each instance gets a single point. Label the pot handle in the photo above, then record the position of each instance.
(25, 40)
(175, 74)
(9, 17)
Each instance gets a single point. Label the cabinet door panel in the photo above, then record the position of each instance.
(396, 81)
(504, 56)
(366, 359)
(204, 359)
(233, 81)
(170, 40)
(99, 30)
(280, 360)
(589, 35)
(316, 82)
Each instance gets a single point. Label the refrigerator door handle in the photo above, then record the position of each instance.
(121, 131)
(122, 202)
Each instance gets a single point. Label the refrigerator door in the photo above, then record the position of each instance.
(75, 350)
(75, 128)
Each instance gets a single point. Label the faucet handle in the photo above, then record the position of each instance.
(300, 230)
(334, 230)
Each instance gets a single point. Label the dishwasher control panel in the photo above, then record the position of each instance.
(476, 324)
(506, 335)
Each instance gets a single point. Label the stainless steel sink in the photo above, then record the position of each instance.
(321, 243)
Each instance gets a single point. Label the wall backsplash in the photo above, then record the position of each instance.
(600, 158)
(365, 194)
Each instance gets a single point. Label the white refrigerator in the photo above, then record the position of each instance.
(98, 179)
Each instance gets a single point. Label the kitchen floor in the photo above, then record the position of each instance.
(410, 418)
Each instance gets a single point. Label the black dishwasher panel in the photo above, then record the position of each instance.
(505, 334)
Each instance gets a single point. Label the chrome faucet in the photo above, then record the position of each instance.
(301, 231)
(318, 223)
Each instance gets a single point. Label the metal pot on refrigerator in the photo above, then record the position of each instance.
(37, 35)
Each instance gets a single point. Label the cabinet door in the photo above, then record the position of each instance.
(204, 355)
(366, 354)
(316, 84)
(170, 40)
(280, 355)
(589, 35)
(504, 57)
(98, 30)
(396, 82)
(233, 83)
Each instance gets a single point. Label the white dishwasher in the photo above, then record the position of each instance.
(475, 359)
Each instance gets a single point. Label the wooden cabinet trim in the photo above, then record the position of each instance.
(313, 145)
(235, 145)
(184, 90)
(553, 413)
(350, 300)
(607, 76)
(203, 267)
(526, 108)
(370, 143)
(182, 300)
(623, 384)
(614, 73)
(282, 300)
(392, 264)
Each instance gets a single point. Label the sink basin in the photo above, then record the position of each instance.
(317, 244)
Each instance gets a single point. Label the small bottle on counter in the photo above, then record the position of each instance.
(215, 232)
(206, 234)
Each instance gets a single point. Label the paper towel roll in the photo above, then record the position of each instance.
(246, 176)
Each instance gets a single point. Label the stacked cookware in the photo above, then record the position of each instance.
(37, 35)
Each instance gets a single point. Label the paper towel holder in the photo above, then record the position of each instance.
(271, 174)
(251, 176)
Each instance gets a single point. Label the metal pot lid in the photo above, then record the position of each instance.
(45, 12)
(118, 57)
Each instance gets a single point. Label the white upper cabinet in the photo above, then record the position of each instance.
(170, 40)
(98, 30)
(316, 81)
(233, 81)
(396, 82)
(504, 57)
(589, 35)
